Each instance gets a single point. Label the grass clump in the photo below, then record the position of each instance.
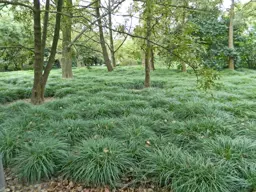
(240, 152)
(39, 159)
(175, 169)
(98, 162)
(171, 135)
(69, 131)
(194, 109)
(9, 145)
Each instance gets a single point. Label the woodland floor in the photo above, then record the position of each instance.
(104, 129)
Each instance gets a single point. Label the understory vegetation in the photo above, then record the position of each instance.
(103, 129)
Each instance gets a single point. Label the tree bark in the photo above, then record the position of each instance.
(66, 59)
(54, 43)
(80, 61)
(184, 67)
(183, 64)
(142, 53)
(152, 59)
(37, 90)
(40, 76)
(112, 48)
(102, 39)
(45, 26)
(231, 64)
(148, 44)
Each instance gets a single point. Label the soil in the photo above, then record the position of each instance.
(60, 185)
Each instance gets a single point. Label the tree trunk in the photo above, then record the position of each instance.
(45, 26)
(54, 43)
(40, 77)
(66, 59)
(231, 64)
(184, 67)
(152, 60)
(112, 48)
(102, 40)
(183, 64)
(37, 90)
(80, 61)
(142, 53)
(148, 44)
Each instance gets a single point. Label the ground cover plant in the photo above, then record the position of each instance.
(104, 128)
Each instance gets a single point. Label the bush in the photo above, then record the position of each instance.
(128, 62)
(98, 162)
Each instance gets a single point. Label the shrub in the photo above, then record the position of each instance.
(129, 61)
(98, 162)
(39, 159)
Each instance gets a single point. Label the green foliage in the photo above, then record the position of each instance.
(192, 109)
(40, 159)
(105, 129)
(128, 54)
(16, 43)
(172, 168)
(208, 78)
(98, 162)
(239, 151)
(9, 145)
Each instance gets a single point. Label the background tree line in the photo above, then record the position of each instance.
(189, 34)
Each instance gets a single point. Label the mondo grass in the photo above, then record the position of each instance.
(39, 159)
(170, 167)
(98, 162)
(9, 145)
(104, 128)
(239, 152)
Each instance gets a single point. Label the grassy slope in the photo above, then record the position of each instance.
(103, 128)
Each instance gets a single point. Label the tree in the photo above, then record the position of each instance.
(231, 64)
(148, 13)
(16, 46)
(102, 39)
(152, 59)
(66, 61)
(111, 47)
(40, 74)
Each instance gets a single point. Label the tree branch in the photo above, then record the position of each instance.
(92, 23)
(17, 3)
